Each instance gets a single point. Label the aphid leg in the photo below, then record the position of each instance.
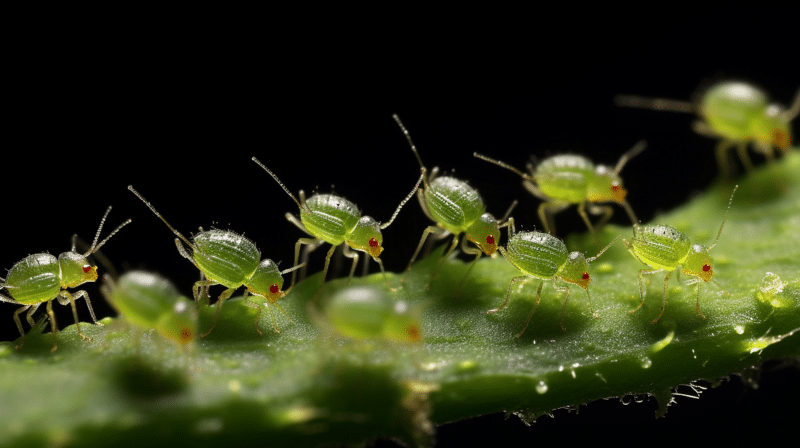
(565, 290)
(548, 209)
(607, 212)
(325, 269)
(53, 325)
(429, 229)
(642, 290)
(199, 287)
(585, 217)
(741, 150)
(65, 298)
(442, 261)
(514, 281)
(664, 298)
(19, 324)
(721, 152)
(383, 271)
(470, 250)
(256, 307)
(311, 242)
(533, 310)
(697, 304)
(184, 253)
(222, 297)
(272, 315)
(354, 256)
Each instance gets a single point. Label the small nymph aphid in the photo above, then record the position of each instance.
(333, 219)
(737, 113)
(664, 248)
(231, 260)
(542, 256)
(150, 301)
(41, 278)
(456, 208)
(370, 313)
(564, 180)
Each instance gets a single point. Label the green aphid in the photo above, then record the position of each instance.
(150, 301)
(664, 248)
(567, 179)
(40, 278)
(542, 256)
(231, 260)
(456, 208)
(370, 313)
(737, 113)
(335, 220)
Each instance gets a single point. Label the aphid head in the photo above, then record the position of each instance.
(576, 270)
(75, 269)
(698, 263)
(179, 325)
(367, 237)
(772, 130)
(605, 186)
(485, 232)
(404, 323)
(266, 281)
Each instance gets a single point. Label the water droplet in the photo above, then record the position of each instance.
(638, 398)
(625, 400)
(541, 387)
(646, 362)
(739, 329)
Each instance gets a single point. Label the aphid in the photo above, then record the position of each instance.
(40, 278)
(231, 260)
(666, 249)
(543, 256)
(150, 301)
(456, 208)
(564, 180)
(370, 313)
(335, 220)
(737, 113)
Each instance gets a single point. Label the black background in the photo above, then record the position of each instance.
(178, 105)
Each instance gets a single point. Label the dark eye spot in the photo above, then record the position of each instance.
(585, 276)
(615, 185)
(706, 267)
(490, 240)
(373, 242)
(86, 268)
(274, 288)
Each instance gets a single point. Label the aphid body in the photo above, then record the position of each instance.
(41, 278)
(737, 113)
(150, 301)
(370, 313)
(542, 256)
(231, 260)
(664, 248)
(567, 179)
(456, 208)
(335, 220)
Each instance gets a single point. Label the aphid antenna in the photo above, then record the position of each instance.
(95, 247)
(504, 165)
(504, 220)
(293, 268)
(730, 201)
(660, 104)
(589, 260)
(794, 110)
(640, 146)
(279, 182)
(408, 137)
(153, 209)
(407, 198)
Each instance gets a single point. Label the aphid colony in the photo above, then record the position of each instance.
(735, 112)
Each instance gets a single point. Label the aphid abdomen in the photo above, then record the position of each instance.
(226, 257)
(564, 177)
(537, 254)
(332, 217)
(453, 203)
(142, 298)
(34, 279)
(731, 108)
(661, 247)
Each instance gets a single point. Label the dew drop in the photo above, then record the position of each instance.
(625, 400)
(739, 329)
(646, 362)
(541, 387)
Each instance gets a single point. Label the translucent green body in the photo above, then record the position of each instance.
(575, 179)
(544, 256)
(150, 301)
(34, 279)
(453, 204)
(226, 257)
(369, 313)
(329, 217)
(663, 247)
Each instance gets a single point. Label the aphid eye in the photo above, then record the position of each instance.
(373, 242)
(706, 267)
(490, 240)
(615, 185)
(86, 268)
(274, 288)
(186, 334)
(585, 276)
(781, 138)
(413, 332)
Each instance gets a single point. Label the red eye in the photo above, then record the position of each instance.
(706, 267)
(781, 139)
(274, 288)
(585, 276)
(615, 185)
(413, 332)
(186, 334)
(490, 240)
(373, 242)
(86, 268)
